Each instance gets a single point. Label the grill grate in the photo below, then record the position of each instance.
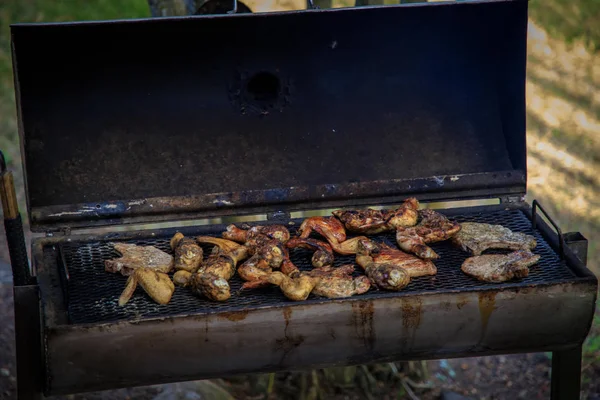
(93, 293)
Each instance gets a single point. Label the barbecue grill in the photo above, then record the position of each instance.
(268, 115)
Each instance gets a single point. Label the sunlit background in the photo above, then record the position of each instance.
(563, 133)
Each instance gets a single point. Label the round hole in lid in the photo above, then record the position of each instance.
(264, 87)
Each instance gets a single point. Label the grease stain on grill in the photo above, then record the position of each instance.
(93, 293)
(234, 316)
(462, 300)
(289, 341)
(363, 313)
(487, 305)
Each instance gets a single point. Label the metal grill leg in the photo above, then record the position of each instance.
(28, 343)
(566, 374)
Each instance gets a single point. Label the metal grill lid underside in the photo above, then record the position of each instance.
(145, 119)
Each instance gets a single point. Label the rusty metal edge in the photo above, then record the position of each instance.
(118, 212)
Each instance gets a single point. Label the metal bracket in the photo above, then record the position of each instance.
(561, 240)
(512, 199)
(66, 231)
(578, 245)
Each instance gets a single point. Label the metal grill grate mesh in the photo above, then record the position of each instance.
(93, 293)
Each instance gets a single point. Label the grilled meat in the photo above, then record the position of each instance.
(156, 284)
(433, 227)
(337, 282)
(242, 235)
(188, 255)
(182, 278)
(297, 288)
(475, 238)
(323, 255)
(256, 273)
(212, 279)
(500, 267)
(328, 227)
(134, 256)
(370, 221)
(349, 246)
(389, 268)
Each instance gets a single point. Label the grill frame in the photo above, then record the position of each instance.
(91, 347)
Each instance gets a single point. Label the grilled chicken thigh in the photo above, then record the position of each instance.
(475, 238)
(500, 267)
(433, 227)
(370, 221)
(212, 279)
(188, 255)
(381, 253)
(328, 227)
(156, 284)
(337, 282)
(323, 255)
(134, 256)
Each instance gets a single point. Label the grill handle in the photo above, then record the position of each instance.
(13, 226)
(561, 240)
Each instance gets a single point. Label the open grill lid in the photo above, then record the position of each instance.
(174, 118)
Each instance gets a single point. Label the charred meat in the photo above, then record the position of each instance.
(134, 257)
(381, 253)
(498, 268)
(385, 275)
(328, 227)
(188, 255)
(433, 227)
(156, 284)
(475, 238)
(370, 221)
(323, 255)
(212, 279)
(242, 235)
(335, 283)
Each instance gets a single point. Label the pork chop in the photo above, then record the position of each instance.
(134, 256)
(475, 238)
(498, 268)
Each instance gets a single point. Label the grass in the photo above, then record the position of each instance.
(563, 106)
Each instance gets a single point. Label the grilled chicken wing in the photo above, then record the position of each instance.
(500, 267)
(323, 255)
(337, 282)
(212, 280)
(349, 246)
(134, 257)
(188, 255)
(328, 227)
(256, 274)
(370, 221)
(297, 288)
(433, 227)
(156, 284)
(475, 238)
(242, 235)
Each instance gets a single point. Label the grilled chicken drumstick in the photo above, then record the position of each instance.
(323, 255)
(372, 221)
(188, 255)
(156, 284)
(212, 279)
(433, 227)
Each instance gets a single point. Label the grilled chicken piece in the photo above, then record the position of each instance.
(297, 288)
(242, 235)
(475, 238)
(500, 267)
(323, 255)
(370, 221)
(337, 282)
(328, 227)
(212, 279)
(433, 227)
(381, 253)
(182, 278)
(156, 284)
(188, 255)
(349, 246)
(256, 274)
(134, 256)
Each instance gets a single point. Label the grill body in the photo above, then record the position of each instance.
(449, 315)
